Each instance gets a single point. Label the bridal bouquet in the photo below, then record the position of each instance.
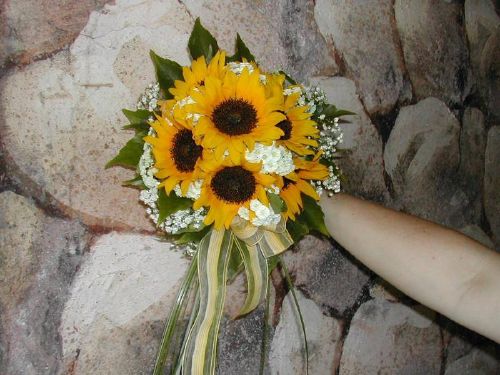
(231, 161)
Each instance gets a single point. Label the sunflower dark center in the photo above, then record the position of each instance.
(235, 117)
(185, 152)
(286, 183)
(233, 184)
(286, 126)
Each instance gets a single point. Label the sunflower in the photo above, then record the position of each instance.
(177, 156)
(195, 76)
(235, 113)
(228, 186)
(298, 128)
(295, 183)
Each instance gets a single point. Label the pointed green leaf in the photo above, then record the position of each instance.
(192, 236)
(278, 205)
(140, 127)
(168, 204)
(130, 154)
(235, 263)
(241, 51)
(288, 78)
(297, 229)
(331, 111)
(291, 286)
(201, 42)
(272, 262)
(136, 117)
(167, 71)
(175, 313)
(135, 182)
(313, 215)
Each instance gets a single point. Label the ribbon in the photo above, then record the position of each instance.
(254, 245)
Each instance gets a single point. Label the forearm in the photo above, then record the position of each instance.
(436, 266)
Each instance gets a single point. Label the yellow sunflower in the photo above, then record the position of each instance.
(228, 186)
(298, 127)
(295, 183)
(195, 76)
(235, 113)
(177, 156)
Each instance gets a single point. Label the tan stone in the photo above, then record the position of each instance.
(20, 222)
(122, 294)
(34, 28)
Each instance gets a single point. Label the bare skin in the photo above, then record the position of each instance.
(440, 268)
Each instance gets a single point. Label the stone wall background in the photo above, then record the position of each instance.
(78, 290)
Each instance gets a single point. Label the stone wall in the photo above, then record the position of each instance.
(79, 261)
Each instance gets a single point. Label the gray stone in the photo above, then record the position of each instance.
(364, 37)
(391, 338)
(362, 162)
(489, 72)
(481, 20)
(434, 47)
(492, 182)
(240, 343)
(39, 256)
(476, 233)
(123, 292)
(479, 361)
(323, 336)
(422, 158)
(307, 52)
(472, 148)
(328, 275)
(382, 289)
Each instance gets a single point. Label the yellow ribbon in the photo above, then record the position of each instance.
(270, 240)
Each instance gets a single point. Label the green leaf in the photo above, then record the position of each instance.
(313, 216)
(137, 117)
(331, 111)
(288, 78)
(191, 237)
(235, 265)
(265, 333)
(278, 205)
(140, 127)
(167, 71)
(297, 306)
(135, 182)
(130, 154)
(297, 229)
(172, 324)
(201, 42)
(241, 51)
(168, 204)
(272, 262)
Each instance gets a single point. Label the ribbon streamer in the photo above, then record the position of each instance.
(254, 245)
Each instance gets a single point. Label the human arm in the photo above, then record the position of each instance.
(434, 265)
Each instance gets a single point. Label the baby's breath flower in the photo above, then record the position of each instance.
(264, 215)
(275, 159)
(149, 100)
